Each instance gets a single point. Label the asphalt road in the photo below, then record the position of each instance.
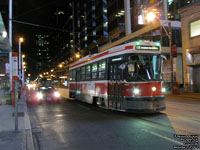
(75, 125)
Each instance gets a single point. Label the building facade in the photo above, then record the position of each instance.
(190, 20)
(42, 52)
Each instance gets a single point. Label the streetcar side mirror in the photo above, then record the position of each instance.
(122, 66)
(163, 57)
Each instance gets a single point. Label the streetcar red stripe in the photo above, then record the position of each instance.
(101, 55)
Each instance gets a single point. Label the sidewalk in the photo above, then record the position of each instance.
(195, 96)
(11, 140)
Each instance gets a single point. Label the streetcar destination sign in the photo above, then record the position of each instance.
(147, 47)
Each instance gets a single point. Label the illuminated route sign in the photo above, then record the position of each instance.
(147, 47)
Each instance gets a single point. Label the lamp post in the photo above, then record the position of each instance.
(150, 18)
(23, 66)
(20, 64)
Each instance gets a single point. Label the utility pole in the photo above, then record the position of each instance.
(165, 2)
(127, 16)
(10, 40)
(171, 58)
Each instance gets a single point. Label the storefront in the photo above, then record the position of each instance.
(190, 20)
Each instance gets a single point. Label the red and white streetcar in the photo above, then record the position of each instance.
(126, 78)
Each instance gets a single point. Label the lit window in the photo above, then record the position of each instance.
(94, 71)
(195, 28)
(88, 70)
(102, 67)
(61, 13)
(105, 24)
(93, 7)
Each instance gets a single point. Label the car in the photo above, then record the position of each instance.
(48, 94)
(32, 97)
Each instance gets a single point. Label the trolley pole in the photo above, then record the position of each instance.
(169, 33)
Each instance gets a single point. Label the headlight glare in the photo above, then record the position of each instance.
(39, 95)
(163, 90)
(153, 88)
(136, 91)
(56, 94)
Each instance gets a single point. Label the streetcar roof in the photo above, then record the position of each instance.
(114, 51)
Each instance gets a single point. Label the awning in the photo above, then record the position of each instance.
(197, 65)
(4, 42)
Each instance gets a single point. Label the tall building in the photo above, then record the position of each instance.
(85, 28)
(90, 25)
(42, 52)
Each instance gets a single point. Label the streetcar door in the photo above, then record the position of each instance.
(116, 85)
(78, 85)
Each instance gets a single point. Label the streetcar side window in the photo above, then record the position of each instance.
(102, 70)
(71, 75)
(83, 73)
(111, 72)
(88, 72)
(74, 75)
(94, 71)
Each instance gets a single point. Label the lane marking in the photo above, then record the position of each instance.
(84, 107)
(164, 137)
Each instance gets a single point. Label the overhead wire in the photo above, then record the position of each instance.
(38, 8)
(57, 29)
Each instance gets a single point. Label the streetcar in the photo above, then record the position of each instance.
(127, 77)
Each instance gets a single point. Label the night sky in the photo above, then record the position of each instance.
(36, 12)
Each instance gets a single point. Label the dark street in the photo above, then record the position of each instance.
(78, 126)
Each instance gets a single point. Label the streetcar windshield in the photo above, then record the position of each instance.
(143, 68)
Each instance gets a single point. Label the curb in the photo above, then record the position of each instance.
(29, 140)
(29, 144)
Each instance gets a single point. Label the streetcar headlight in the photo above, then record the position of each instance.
(136, 91)
(39, 95)
(153, 88)
(56, 94)
(163, 90)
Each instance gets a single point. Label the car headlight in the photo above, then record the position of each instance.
(39, 95)
(136, 91)
(163, 90)
(153, 88)
(56, 94)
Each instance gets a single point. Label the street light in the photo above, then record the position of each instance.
(60, 65)
(77, 55)
(20, 64)
(150, 17)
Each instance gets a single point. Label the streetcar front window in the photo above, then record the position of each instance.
(143, 68)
